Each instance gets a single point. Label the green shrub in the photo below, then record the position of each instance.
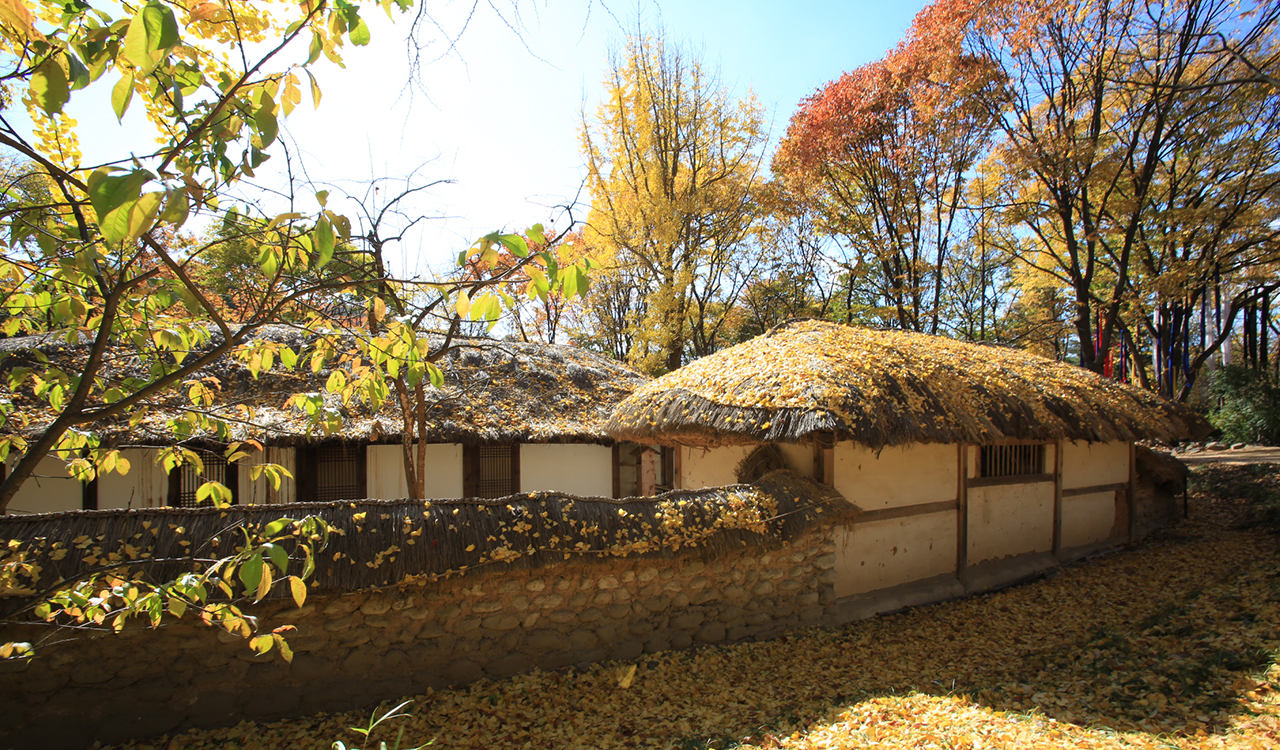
(1249, 406)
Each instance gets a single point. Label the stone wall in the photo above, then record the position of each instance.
(355, 649)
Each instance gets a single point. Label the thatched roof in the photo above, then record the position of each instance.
(495, 391)
(883, 388)
(388, 542)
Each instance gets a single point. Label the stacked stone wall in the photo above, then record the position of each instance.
(355, 649)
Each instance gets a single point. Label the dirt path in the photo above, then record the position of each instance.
(1253, 454)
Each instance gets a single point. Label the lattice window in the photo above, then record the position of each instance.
(495, 470)
(1011, 460)
(184, 481)
(340, 472)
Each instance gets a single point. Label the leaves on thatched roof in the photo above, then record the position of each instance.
(494, 391)
(388, 542)
(883, 388)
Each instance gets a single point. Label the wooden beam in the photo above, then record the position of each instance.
(906, 511)
(1076, 491)
(1019, 479)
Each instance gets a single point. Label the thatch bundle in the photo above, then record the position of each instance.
(883, 388)
(495, 391)
(379, 543)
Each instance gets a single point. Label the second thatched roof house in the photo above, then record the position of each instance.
(973, 464)
(511, 417)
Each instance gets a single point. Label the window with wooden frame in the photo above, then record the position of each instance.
(325, 473)
(1010, 460)
(184, 482)
(640, 470)
(491, 471)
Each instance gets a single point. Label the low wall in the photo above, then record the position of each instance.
(356, 649)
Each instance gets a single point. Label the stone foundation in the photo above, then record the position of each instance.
(356, 649)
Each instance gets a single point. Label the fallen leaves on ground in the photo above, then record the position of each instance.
(1171, 644)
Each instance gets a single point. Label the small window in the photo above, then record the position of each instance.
(492, 470)
(638, 470)
(326, 473)
(1011, 460)
(340, 473)
(184, 481)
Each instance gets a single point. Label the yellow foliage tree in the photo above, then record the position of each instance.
(673, 165)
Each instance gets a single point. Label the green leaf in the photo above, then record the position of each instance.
(176, 209)
(436, 375)
(538, 234)
(279, 557)
(515, 243)
(114, 197)
(268, 261)
(275, 527)
(250, 572)
(359, 32)
(121, 95)
(152, 33)
(324, 242)
(49, 86)
(575, 282)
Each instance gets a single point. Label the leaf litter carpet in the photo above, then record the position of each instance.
(1171, 644)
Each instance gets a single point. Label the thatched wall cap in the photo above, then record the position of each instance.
(381, 543)
(883, 388)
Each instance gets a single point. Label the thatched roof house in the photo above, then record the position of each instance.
(964, 456)
(880, 388)
(495, 391)
(500, 399)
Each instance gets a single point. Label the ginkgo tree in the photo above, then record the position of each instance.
(95, 269)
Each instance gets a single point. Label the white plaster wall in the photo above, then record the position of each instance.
(385, 479)
(879, 554)
(145, 486)
(798, 457)
(1092, 464)
(49, 488)
(576, 469)
(1010, 519)
(384, 472)
(442, 479)
(1088, 519)
(709, 467)
(897, 476)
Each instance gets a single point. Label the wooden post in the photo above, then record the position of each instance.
(1057, 496)
(962, 511)
(470, 459)
(515, 468)
(1131, 493)
(617, 471)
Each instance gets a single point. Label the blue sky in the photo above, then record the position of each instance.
(499, 113)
